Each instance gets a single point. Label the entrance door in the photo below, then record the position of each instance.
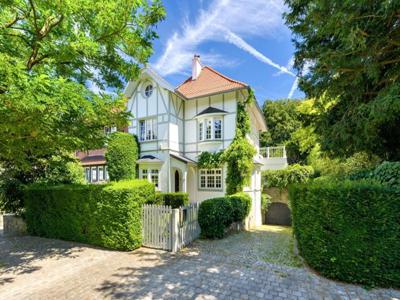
(176, 181)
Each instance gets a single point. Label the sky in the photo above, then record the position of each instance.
(246, 40)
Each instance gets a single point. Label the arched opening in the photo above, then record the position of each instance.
(177, 181)
(278, 214)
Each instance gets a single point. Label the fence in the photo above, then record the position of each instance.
(273, 152)
(169, 229)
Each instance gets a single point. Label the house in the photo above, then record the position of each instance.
(174, 125)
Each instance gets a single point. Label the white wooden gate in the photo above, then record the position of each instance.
(169, 229)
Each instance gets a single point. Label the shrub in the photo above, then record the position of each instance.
(216, 214)
(11, 196)
(175, 200)
(349, 230)
(122, 153)
(282, 178)
(387, 173)
(105, 215)
(62, 170)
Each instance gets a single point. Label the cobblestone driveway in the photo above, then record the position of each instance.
(36, 268)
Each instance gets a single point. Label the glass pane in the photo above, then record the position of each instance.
(201, 131)
(87, 174)
(217, 129)
(142, 130)
(94, 174)
(208, 130)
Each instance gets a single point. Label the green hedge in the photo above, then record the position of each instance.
(349, 230)
(122, 154)
(282, 178)
(216, 214)
(175, 200)
(104, 215)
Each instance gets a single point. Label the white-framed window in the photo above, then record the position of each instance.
(210, 179)
(106, 173)
(147, 130)
(210, 129)
(87, 174)
(94, 174)
(151, 175)
(109, 130)
(154, 177)
(101, 173)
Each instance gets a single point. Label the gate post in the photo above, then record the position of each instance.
(175, 230)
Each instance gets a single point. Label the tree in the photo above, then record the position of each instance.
(350, 51)
(122, 153)
(50, 52)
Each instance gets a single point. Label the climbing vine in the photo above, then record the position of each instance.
(238, 156)
(240, 153)
(209, 160)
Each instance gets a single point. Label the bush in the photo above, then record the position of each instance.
(11, 196)
(122, 153)
(63, 170)
(175, 200)
(282, 178)
(349, 230)
(105, 215)
(216, 214)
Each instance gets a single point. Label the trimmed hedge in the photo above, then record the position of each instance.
(175, 200)
(216, 214)
(282, 178)
(104, 215)
(349, 230)
(122, 153)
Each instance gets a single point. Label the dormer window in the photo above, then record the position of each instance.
(148, 90)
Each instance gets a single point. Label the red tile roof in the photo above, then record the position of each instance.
(92, 157)
(209, 82)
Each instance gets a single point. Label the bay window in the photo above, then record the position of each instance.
(152, 175)
(210, 129)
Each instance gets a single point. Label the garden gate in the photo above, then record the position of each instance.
(169, 229)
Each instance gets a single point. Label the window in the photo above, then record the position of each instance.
(154, 177)
(87, 174)
(148, 90)
(147, 130)
(94, 174)
(217, 128)
(201, 131)
(106, 173)
(109, 130)
(101, 173)
(211, 179)
(210, 129)
(150, 175)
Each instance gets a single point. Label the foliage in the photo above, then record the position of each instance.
(121, 156)
(216, 214)
(50, 53)
(104, 215)
(209, 160)
(349, 230)
(340, 167)
(266, 200)
(62, 170)
(175, 200)
(290, 123)
(11, 195)
(240, 153)
(283, 178)
(387, 173)
(349, 51)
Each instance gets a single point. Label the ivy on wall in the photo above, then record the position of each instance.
(239, 155)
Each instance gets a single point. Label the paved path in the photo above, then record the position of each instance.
(36, 268)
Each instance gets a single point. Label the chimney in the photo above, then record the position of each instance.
(196, 67)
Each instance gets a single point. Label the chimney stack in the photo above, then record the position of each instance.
(196, 67)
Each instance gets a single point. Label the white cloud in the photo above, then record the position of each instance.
(224, 20)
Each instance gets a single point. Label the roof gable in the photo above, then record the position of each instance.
(209, 82)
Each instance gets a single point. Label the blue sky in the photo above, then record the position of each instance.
(243, 39)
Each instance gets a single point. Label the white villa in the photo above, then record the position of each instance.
(174, 125)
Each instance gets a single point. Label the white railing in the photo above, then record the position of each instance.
(169, 229)
(273, 152)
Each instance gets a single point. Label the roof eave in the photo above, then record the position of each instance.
(212, 94)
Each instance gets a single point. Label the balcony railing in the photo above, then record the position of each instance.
(273, 152)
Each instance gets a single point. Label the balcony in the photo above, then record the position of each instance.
(273, 158)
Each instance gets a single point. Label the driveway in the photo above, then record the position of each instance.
(238, 267)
